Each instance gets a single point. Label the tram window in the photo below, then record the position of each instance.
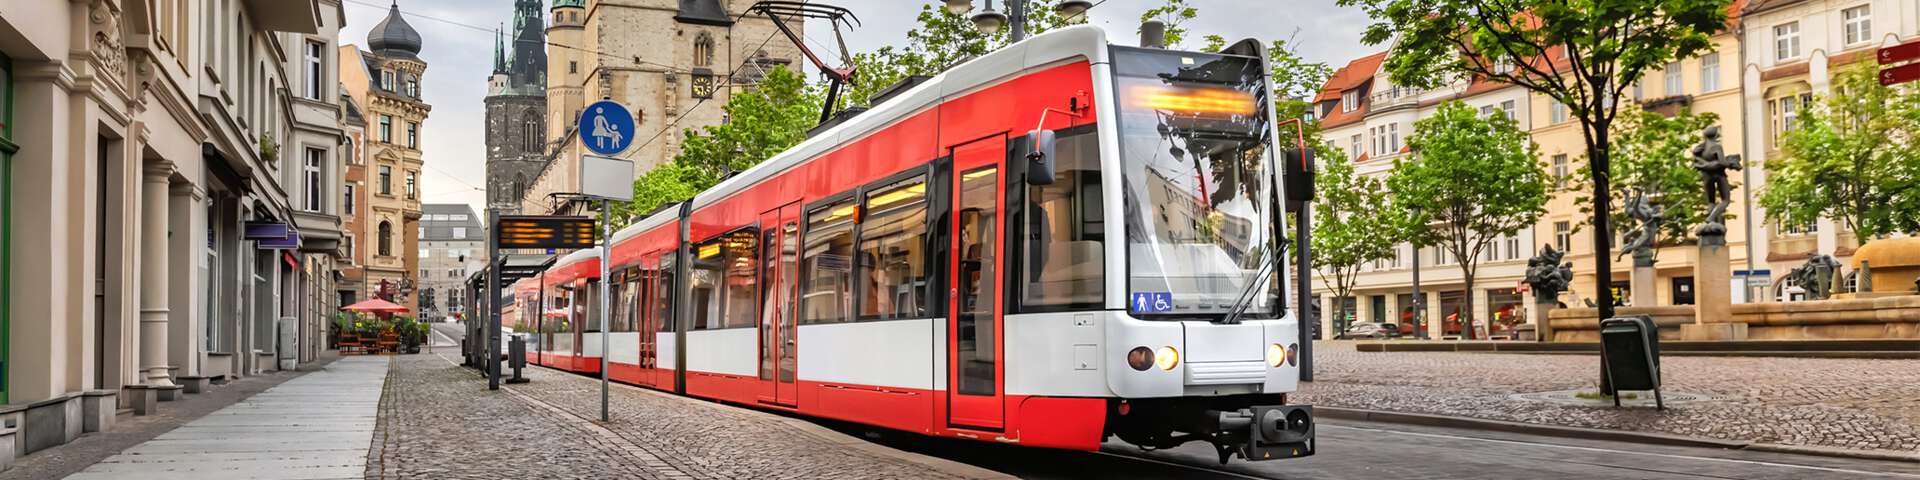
(893, 264)
(1064, 264)
(704, 281)
(663, 293)
(827, 265)
(590, 317)
(741, 286)
(626, 291)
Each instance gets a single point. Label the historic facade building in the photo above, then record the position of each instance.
(517, 105)
(386, 83)
(674, 62)
(164, 231)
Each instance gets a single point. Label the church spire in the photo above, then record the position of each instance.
(499, 52)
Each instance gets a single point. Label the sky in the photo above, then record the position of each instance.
(457, 44)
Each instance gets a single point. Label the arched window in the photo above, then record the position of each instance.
(530, 129)
(386, 238)
(703, 50)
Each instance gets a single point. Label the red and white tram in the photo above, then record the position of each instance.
(1057, 242)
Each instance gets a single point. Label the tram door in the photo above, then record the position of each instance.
(975, 397)
(643, 281)
(779, 279)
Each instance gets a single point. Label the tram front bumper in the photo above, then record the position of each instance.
(1265, 432)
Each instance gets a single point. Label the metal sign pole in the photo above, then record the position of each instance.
(606, 313)
(492, 299)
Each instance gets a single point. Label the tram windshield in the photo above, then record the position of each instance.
(1194, 130)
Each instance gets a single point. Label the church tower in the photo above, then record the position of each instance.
(516, 102)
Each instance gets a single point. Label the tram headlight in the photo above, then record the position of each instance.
(1140, 358)
(1166, 358)
(1276, 355)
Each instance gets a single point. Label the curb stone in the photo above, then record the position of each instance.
(1604, 434)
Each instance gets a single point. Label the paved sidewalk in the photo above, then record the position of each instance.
(317, 426)
(439, 421)
(1853, 404)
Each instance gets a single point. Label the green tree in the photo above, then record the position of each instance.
(1580, 53)
(1652, 156)
(1469, 181)
(940, 41)
(1850, 157)
(1346, 227)
(1174, 13)
(761, 122)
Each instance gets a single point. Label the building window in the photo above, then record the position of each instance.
(1507, 107)
(1349, 100)
(1798, 230)
(573, 66)
(1556, 111)
(413, 135)
(703, 50)
(316, 70)
(386, 80)
(1560, 171)
(1393, 133)
(385, 239)
(1672, 75)
(1357, 146)
(347, 197)
(352, 155)
(310, 178)
(386, 180)
(413, 87)
(386, 128)
(827, 265)
(413, 184)
(459, 233)
(1563, 236)
(1786, 113)
(346, 246)
(1857, 22)
(1710, 72)
(1786, 41)
(530, 130)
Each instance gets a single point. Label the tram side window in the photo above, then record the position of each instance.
(893, 263)
(590, 306)
(663, 293)
(704, 282)
(742, 273)
(625, 292)
(1064, 263)
(826, 262)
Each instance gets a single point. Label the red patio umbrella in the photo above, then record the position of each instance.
(557, 312)
(375, 306)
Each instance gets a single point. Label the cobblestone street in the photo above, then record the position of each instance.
(437, 420)
(1839, 403)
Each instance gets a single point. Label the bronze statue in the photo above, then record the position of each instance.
(1649, 214)
(1713, 162)
(1815, 277)
(1547, 276)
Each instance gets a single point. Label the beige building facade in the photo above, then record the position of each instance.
(153, 240)
(674, 63)
(385, 83)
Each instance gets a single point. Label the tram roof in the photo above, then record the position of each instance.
(577, 256)
(1041, 51)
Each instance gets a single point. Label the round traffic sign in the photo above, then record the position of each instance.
(606, 127)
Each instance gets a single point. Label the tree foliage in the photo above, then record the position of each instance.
(940, 41)
(1652, 155)
(1347, 222)
(762, 121)
(1852, 158)
(1470, 180)
(1175, 13)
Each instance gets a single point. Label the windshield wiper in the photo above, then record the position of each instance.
(1245, 300)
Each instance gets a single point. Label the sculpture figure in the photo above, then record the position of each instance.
(1814, 277)
(1547, 276)
(1649, 215)
(1712, 162)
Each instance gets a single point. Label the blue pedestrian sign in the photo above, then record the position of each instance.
(606, 127)
(1152, 302)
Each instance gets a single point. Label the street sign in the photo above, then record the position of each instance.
(606, 127)
(546, 231)
(1899, 53)
(606, 178)
(1901, 74)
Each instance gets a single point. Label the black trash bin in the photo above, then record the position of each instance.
(1632, 354)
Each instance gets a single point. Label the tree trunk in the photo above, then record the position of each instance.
(1467, 327)
(1598, 162)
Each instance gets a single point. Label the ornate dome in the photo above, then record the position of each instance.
(394, 36)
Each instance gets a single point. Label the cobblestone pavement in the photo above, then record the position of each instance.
(439, 421)
(1843, 403)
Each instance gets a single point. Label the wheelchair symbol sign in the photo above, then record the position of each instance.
(1153, 301)
(606, 127)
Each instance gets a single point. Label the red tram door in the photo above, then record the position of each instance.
(975, 380)
(779, 280)
(642, 284)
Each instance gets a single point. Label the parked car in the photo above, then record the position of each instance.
(1393, 330)
(1366, 330)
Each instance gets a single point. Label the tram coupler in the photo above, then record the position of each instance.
(1265, 432)
(517, 358)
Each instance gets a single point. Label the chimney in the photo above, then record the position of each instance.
(1153, 34)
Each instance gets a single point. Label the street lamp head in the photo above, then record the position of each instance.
(1074, 11)
(989, 21)
(959, 7)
